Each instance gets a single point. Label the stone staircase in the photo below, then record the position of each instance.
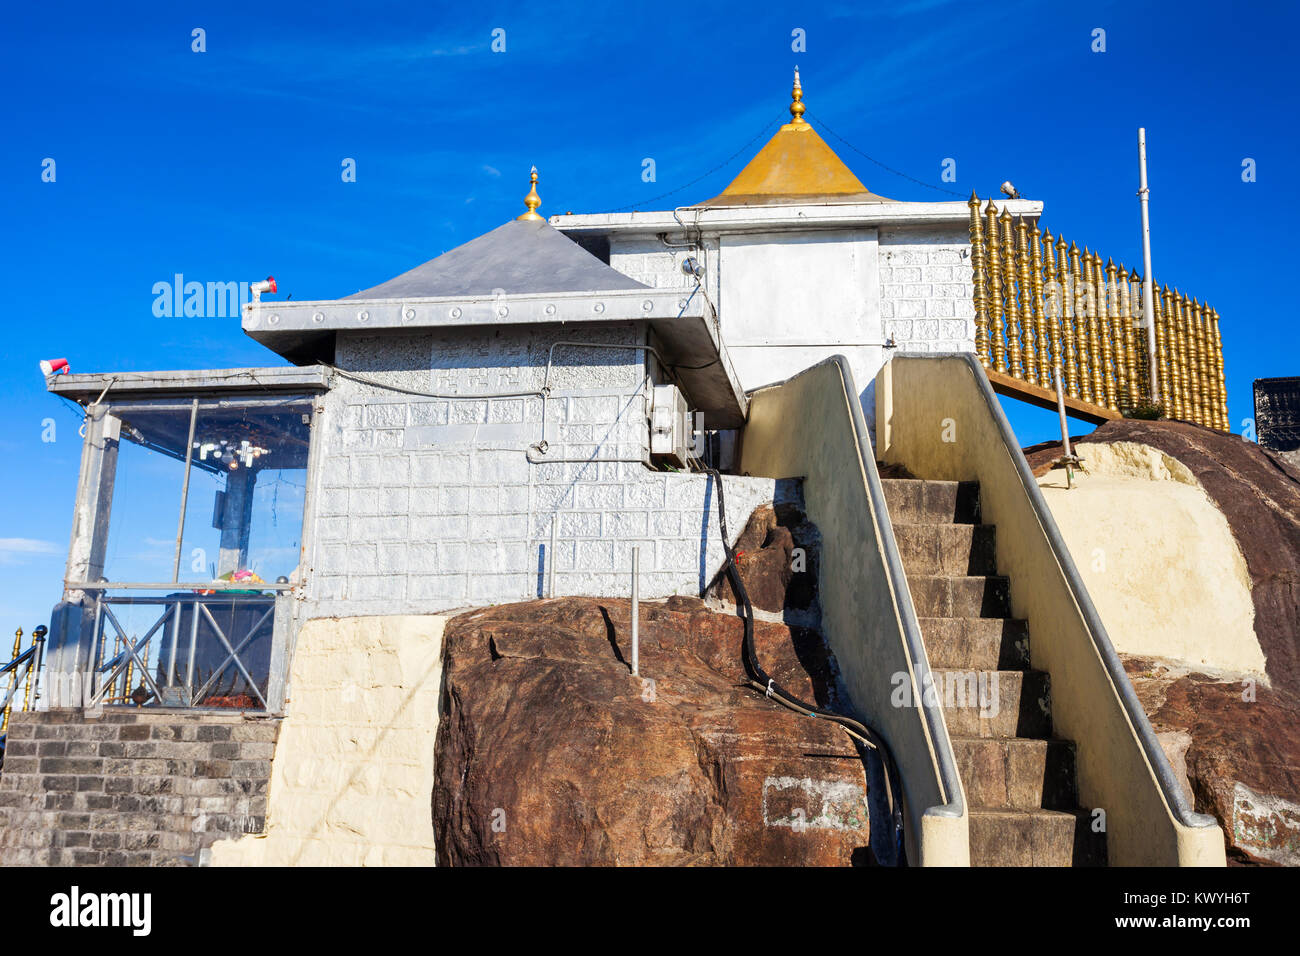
(1020, 780)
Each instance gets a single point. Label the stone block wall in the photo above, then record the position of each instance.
(353, 773)
(425, 504)
(926, 290)
(130, 788)
(650, 262)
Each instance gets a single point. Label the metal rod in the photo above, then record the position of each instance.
(1148, 309)
(175, 612)
(194, 640)
(636, 612)
(218, 586)
(38, 662)
(1065, 432)
(550, 562)
(185, 489)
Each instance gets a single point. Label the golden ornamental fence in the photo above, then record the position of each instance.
(1041, 304)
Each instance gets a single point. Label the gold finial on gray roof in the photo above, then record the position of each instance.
(532, 200)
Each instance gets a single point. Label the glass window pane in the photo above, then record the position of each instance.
(247, 487)
(146, 493)
(243, 520)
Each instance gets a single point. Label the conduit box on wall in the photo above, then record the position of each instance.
(670, 425)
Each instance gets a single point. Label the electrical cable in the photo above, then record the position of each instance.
(888, 169)
(645, 202)
(762, 681)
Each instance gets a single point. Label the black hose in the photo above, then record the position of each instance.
(762, 681)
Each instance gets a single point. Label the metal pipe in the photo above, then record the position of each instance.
(97, 646)
(636, 611)
(1066, 451)
(175, 612)
(38, 643)
(550, 562)
(1060, 410)
(1148, 309)
(194, 640)
(185, 489)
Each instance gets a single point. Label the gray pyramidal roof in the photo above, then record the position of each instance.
(519, 257)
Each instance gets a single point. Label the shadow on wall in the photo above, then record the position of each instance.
(704, 534)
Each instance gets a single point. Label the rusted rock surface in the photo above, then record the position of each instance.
(549, 752)
(1243, 757)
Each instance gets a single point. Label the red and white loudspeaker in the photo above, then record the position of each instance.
(54, 367)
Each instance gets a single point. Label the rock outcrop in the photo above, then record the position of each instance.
(550, 752)
(776, 555)
(1239, 743)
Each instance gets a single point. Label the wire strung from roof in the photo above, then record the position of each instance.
(644, 203)
(820, 122)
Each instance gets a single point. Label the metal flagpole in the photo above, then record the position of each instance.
(1148, 308)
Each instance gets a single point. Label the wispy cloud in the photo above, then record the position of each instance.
(16, 551)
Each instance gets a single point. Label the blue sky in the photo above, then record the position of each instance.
(225, 165)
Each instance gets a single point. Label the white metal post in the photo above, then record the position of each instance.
(636, 612)
(1148, 309)
(1060, 410)
(550, 557)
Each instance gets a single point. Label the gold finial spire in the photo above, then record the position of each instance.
(532, 200)
(796, 104)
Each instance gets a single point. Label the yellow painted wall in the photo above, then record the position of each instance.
(352, 778)
(1158, 559)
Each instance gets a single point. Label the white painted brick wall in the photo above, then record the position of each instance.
(431, 504)
(652, 263)
(926, 292)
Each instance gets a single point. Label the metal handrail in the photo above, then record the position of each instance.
(30, 663)
(949, 778)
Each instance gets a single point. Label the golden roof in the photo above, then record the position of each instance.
(796, 166)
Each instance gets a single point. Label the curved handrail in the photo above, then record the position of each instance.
(913, 645)
(1172, 792)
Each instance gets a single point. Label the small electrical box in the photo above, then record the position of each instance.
(670, 425)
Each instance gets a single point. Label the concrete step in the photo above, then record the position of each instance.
(935, 595)
(981, 643)
(1016, 773)
(1034, 838)
(947, 548)
(992, 703)
(915, 501)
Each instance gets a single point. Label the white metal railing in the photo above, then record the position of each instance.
(189, 656)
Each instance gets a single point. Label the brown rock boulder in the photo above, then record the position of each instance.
(549, 752)
(1242, 755)
(776, 557)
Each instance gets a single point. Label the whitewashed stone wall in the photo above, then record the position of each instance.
(650, 262)
(926, 290)
(430, 504)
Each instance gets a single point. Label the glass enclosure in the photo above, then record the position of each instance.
(203, 501)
